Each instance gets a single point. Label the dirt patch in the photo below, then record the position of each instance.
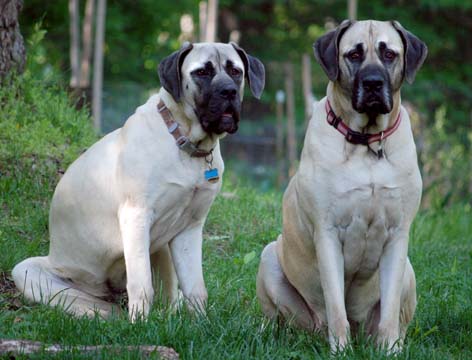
(10, 298)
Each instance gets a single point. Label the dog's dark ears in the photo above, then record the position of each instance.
(254, 69)
(415, 52)
(327, 52)
(169, 71)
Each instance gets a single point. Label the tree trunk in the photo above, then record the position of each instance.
(87, 45)
(291, 122)
(203, 14)
(98, 65)
(352, 9)
(212, 21)
(307, 93)
(74, 51)
(279, 143)
(12, 48)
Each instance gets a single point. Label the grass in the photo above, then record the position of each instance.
(40, 134)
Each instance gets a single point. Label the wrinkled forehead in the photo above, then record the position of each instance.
(370, 34)
(218, 54)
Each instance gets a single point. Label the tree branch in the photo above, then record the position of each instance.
(16, 347)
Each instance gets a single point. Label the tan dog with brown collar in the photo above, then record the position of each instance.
(341, 261)
(131, 209)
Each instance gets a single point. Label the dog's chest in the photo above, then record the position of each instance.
(179, 206)
(368, 211)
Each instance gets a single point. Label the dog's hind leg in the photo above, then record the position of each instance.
(277, 295)
(35, 279)
(164, 276)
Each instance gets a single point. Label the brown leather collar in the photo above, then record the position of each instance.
(182, 141)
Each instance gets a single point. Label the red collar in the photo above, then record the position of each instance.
(356, 137)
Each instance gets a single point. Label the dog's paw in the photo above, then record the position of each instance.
(139, 307)
(339, 337)
(339, 345)
(197, 303)
(390, 340)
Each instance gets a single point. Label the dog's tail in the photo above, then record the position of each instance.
(38, 283)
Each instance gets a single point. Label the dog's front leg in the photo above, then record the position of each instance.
(186, 249)
(331, 268)
(134, 226)
(392, 268)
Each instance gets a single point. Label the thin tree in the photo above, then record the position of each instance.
(12, 49)
(291, 121)
(86, 45)
(212, 21)
(203, 14)
(74, 51)
(98, 65)
(279, 139)
(306, 82)
(352, 9)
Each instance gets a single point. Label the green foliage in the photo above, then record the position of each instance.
(445, 164)
(40, 134)
(139, 35)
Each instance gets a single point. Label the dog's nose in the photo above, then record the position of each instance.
(373, 82)
(229, 92)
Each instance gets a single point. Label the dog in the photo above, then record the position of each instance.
(341, 261)
(131, 209)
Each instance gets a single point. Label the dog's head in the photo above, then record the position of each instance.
(370, 59)
(210, 78)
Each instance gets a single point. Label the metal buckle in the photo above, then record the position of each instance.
(355, 137)
(185, 144)
(173, 127)
(160, 107)
(182, 141)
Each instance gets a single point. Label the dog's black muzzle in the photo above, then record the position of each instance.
(221, 108)
(372, 93)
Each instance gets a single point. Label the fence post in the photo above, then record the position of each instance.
(306, 81)
(212, 21)
(98, 65)
(291, 130)
(352, 9)
(279, 140)
(74, 44)
(203, 15)
(87, 41)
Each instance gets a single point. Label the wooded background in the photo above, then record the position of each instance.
(138, 34)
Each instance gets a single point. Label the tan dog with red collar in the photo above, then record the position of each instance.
(341, 260)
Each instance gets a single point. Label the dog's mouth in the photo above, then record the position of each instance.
(376, 105)
(372, 93)
(217, 118)
(229, 121)
(372, 102)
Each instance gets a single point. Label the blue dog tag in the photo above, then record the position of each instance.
(211, 175)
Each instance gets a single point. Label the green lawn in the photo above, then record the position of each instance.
(240, 223)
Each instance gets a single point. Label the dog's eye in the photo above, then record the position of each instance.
(389, 55)
(201, 72)
(354, 55)
(235, 72)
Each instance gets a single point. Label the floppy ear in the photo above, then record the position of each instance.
(169, 71)
(254, 69)
(326, 50)
(415, 52)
